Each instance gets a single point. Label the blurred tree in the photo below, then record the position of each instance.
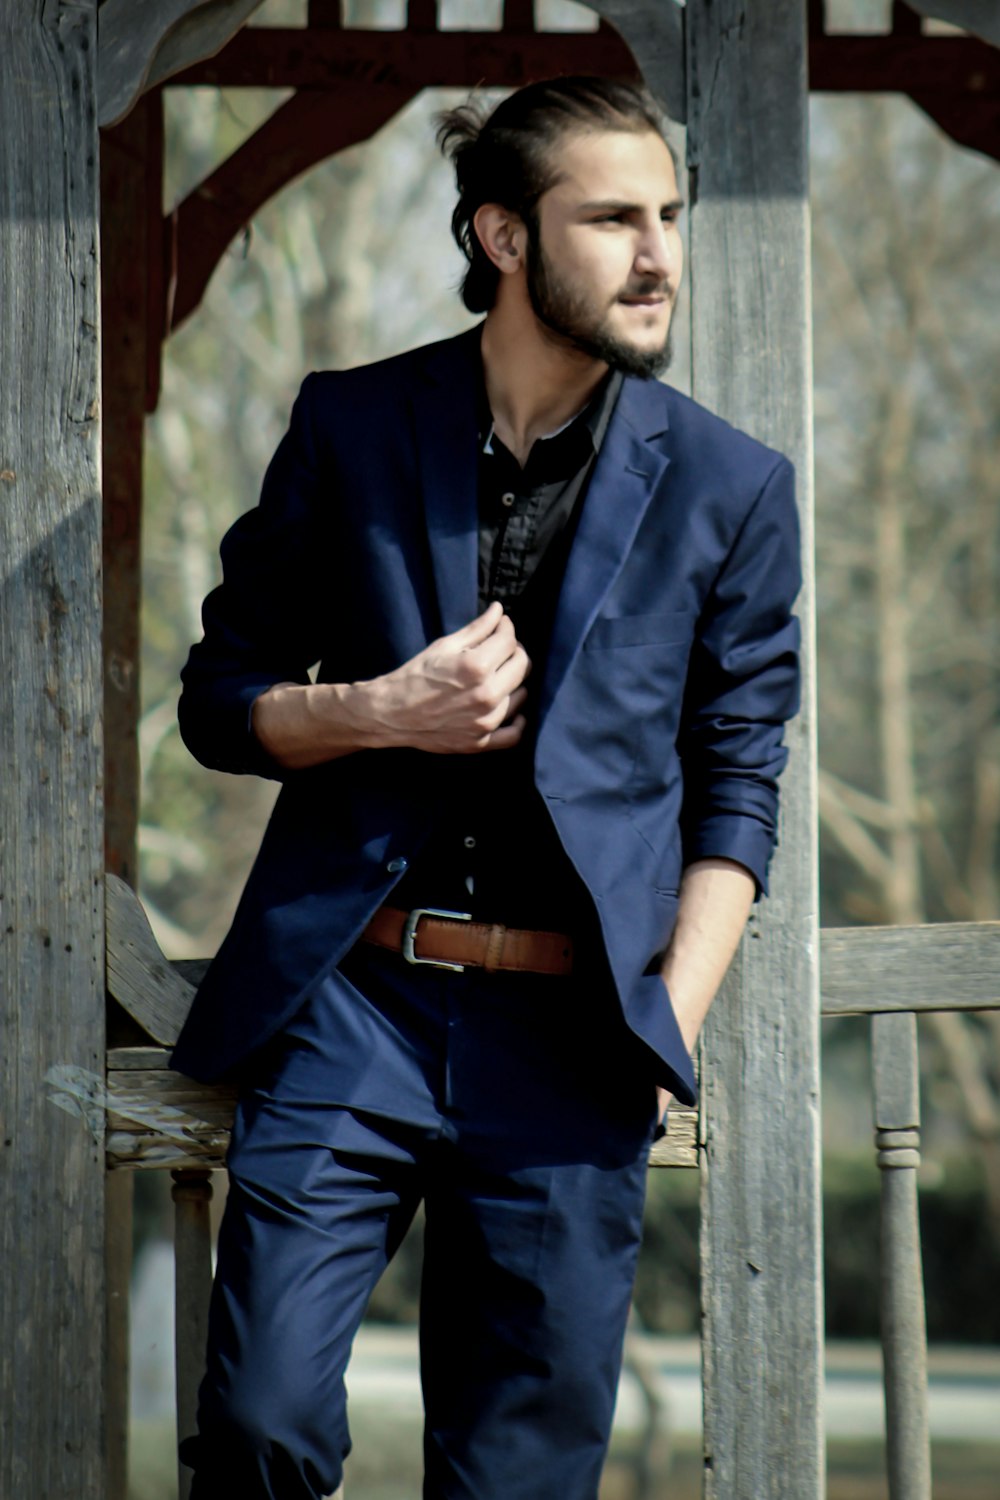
(908, 486)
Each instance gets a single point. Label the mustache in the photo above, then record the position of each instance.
(649, 288)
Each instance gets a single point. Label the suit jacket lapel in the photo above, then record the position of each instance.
(445, 410)
(627, 472)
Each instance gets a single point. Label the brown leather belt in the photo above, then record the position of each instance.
(449, 940)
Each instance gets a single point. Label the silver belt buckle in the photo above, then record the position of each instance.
(410, 933)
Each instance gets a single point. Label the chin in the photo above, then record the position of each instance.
(646, 358)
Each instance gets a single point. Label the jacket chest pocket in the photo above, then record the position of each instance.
(672, 628)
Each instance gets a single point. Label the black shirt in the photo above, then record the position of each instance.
(494, 852)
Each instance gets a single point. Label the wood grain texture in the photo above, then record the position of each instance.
(52, 1299)
(159, 1118)
(751, 363)
(143, 44)
(143, 982)
(654, 31)
(942, 966)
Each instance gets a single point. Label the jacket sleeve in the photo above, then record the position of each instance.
(743, 684)
(262, 625)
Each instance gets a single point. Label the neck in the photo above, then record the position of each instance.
(535, 382)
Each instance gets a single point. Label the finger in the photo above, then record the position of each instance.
(490, 654)
(509, 677)
(507, 736)
(477, 630)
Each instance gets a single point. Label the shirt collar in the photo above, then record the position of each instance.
(595, 417)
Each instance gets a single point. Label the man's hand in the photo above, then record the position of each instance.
(461, 695)
(716, 896)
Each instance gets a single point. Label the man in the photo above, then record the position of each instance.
(527, 805)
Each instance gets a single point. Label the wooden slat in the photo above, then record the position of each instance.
(159, 1118)
(942, 966)
(52, 1297)
(896, 1076)
(761, 1250)
(138, 975)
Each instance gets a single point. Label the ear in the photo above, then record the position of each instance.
(502, 235)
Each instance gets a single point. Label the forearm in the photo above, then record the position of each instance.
(715, 901)
(301, 726)
(460, 695)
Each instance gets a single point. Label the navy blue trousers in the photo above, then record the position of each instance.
(519, 1108)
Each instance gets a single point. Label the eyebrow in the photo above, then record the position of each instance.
(613, 205)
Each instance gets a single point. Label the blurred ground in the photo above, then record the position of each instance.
(385, 1411)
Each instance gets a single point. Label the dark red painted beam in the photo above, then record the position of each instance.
(306, 130)
(258, 57)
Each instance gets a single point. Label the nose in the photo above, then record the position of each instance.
(659, 253)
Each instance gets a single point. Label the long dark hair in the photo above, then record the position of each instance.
(507, 157)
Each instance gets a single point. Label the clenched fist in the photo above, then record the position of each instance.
(459, 695)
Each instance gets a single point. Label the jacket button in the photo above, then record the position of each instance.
(398, 865)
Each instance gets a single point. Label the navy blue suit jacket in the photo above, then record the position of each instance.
(671, 672)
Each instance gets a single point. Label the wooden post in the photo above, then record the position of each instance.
(751, 362)
(131, 219)
(895, 1072)
(52, 1302)
(192, 1194)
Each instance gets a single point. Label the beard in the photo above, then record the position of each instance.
(567, 312)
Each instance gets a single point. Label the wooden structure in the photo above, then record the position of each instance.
(747, 161)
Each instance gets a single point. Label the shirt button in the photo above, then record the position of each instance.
(469, 841)
(398, 865)
(507, 499)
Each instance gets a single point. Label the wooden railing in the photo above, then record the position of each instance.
(157, 1118)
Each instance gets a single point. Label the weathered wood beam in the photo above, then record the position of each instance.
(141, 45)
(306, 130)
(138, 976)
(52, 1293)
(161, 1119)
(751, 359)
(654, 28)
(942, 966)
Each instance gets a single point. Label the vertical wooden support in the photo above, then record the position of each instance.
(895, 1072)
(52, 1332)
(131, 238)
(131, 252)
(192, 1194)
(751, 362)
